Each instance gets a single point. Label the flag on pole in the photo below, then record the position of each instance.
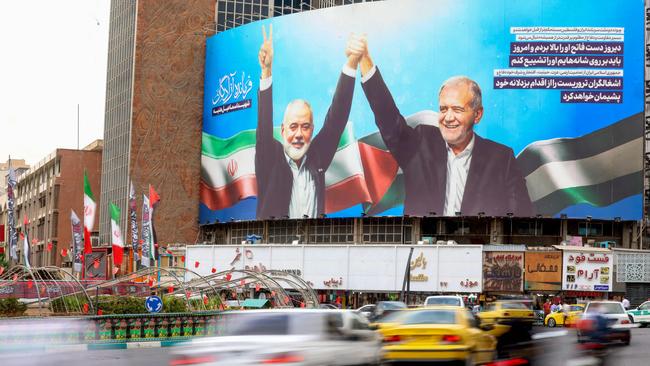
(25, 243)
(134, 222)
(11, 220)
(154, 198)
(77, 233)
(89, 214)
(146, 232)
(116, 235)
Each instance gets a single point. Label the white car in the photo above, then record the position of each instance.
(296, 337)
(444, 300)
(619, 320)
(641, 314)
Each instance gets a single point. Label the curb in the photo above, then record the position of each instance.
(94, 346)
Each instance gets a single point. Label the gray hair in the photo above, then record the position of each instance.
(297, 103)
(477, 96)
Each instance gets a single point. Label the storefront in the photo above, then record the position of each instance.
(586, 272)
(542, 274)
(354, 274)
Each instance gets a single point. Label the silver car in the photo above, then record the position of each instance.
(293, 337)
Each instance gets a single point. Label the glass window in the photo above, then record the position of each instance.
(430, 317)
(605, 308)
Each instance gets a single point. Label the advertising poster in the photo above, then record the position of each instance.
(542, 100)
(503, 271)
(587, 271)
(543, 271)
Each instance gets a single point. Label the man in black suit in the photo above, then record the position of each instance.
(449, 168)
(291, 174)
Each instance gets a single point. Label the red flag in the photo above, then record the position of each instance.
(205, 300)
(86, 308)
(196, 264)
(257, 287)
(64, 252)
(30, 284)
(242, 283)
(49, 246)
(228, 277)
(100, 312)
(170, 289)
(26, 222)
(214, 270)
(153, 196)
(2, 270)
(302, 304)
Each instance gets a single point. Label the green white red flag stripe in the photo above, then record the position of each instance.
(90, 206)
(117, 240)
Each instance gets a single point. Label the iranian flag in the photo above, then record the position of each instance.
(25, 238)
(116, 235)
(89, 214)
(362, 172)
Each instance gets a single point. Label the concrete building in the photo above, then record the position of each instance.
(46, 194)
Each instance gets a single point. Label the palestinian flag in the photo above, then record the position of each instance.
(600, 168)
(89, 214)
(116, 235)
(154, 198)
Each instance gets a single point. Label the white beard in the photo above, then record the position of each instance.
(294, 153)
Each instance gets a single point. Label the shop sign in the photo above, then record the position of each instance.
(503, 271)
(585, 271)
(543, 271)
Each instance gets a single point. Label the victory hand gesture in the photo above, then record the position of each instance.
(265, 56)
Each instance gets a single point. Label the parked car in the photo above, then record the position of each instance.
(440, 333)
(641, 314)
(508, 312)
(444, 300)
(618, 320)
(296, 337)
(560, 318)
(366, 310)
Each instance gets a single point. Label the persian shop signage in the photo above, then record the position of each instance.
(421, 263)
(543, 271)
(585, 271)
(503, 271)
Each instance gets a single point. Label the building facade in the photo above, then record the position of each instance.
(45, 196)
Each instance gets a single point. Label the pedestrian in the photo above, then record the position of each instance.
(554, 307)
(547, 307)
(626, 303)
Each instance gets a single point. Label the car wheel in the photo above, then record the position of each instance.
(551, 323)
(627, 339)
(643, 325)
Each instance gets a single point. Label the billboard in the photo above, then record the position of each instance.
(585, 270)
(503, 271)
(434, 268)
(342, 112)
(543, 271)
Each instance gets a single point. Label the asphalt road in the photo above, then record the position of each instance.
(555, 351)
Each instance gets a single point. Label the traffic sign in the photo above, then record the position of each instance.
(153, 304)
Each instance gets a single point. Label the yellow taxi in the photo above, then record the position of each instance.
(438, 333)
(508, 312)
(388, 321)
(559, 318)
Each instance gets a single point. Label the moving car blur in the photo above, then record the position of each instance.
(617, 319)
(439, 333)
(294, 337)
(567, 318)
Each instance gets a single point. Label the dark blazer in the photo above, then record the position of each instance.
(495, 185)
(274, 177)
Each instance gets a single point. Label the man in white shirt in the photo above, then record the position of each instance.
(626, 303)
(291, 174)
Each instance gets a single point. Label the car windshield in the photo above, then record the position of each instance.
(429, 317)
(453, 301)
(577, 308)
(392, 305)
(393, 317)
(605, 308)
(515, 305)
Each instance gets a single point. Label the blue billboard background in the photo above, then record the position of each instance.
(417, 46)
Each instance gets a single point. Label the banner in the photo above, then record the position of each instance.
(11, 218)
(77, 237)
(543, 271)
(147, 239)
(548, 118)
(134, 222)
(503, 271)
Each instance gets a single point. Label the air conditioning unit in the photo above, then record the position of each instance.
(428, 240)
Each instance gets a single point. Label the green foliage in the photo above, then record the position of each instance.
(68, 304)
(122, 305)
(12, 307)
(3, 261)
(174, 304)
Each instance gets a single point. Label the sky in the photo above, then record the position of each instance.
(54, 57)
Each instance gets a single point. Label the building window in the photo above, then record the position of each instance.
(590, 229)
(284, 231)
(339, 231)
(240, 230)
(386, 230)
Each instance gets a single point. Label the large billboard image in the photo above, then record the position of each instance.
(458, 107)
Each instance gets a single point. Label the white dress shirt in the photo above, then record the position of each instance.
(457, 169)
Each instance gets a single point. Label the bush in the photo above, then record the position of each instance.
(122, 305)
(173, 304)
(73, 304)
(12, 307)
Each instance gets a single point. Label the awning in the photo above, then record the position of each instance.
(255, 303)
